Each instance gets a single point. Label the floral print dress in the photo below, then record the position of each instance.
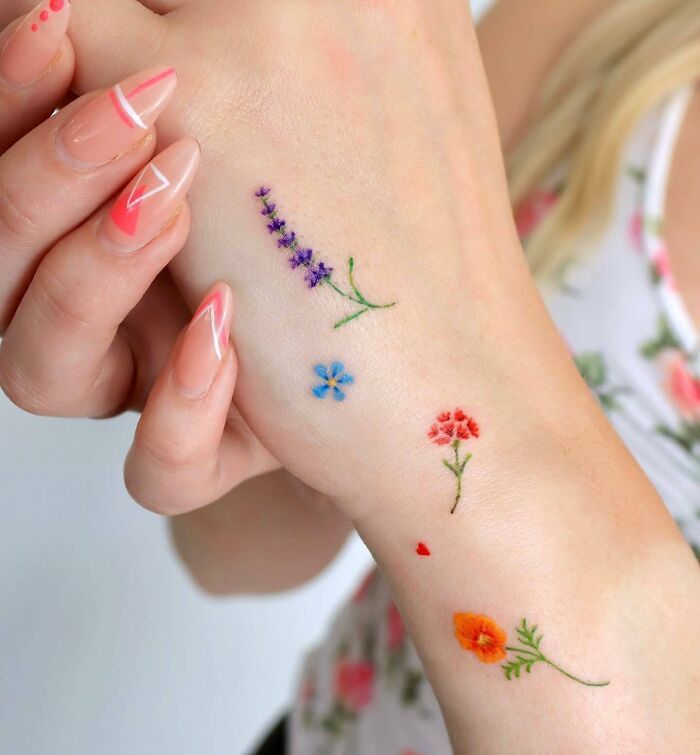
(363, 692)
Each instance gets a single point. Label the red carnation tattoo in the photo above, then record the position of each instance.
(453, 429)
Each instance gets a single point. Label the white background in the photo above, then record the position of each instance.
(105, 646)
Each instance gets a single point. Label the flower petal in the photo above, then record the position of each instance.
(338, 395)
(321, 371)
(346, 379)
(337, 368)
(320, 391)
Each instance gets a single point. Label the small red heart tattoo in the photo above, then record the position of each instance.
(422, 549)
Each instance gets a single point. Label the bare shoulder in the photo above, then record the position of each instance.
(521, 41)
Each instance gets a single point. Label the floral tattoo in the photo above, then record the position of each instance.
(316, 272)
(333, 380)
(483, 637)
(453, 429)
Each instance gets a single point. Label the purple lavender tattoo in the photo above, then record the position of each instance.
(316, 272)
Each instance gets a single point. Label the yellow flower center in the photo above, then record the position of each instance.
(332, 382)
(484, 640)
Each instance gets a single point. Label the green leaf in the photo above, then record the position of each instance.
(332, 724)
(515, 667)
(654, 225)
(637, 174)
(450, 466)
(607, 401)
(464, 463)
(412, 683)
(663, 341)
(685, 438)
(350, 318)
(592, 367)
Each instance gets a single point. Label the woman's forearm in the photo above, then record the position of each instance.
(557, 609)
(268, 535)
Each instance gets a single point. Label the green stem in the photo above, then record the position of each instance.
(537, 654)
(349, 318)
(572, 677)
(459, 479)
(359, 299)
(351, 280)
(330, 283)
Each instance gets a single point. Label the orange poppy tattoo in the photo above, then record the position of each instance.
(483, 637)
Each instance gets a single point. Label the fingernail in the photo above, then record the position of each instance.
(33, 44)
(205, 342)
(118, 119)
(151, 200)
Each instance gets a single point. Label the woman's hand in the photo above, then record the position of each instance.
(254, 109)
(87, 313)
(88, 329)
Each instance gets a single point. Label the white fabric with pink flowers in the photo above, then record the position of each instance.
(364, 691)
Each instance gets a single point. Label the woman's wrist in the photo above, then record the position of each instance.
(469, 412)
(549, 557)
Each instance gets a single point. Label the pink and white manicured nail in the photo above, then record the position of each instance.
(29, 46)
(205, 343)
(119, 118)
(151, 200)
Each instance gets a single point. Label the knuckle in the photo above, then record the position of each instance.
(20, 389)
(146, 494)
(15, 220)
(57, 303)
(162, 475)
(168, 454)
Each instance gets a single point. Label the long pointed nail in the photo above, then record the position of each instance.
(150, 201)
(205, 343)
(30, 47)
(119, 118)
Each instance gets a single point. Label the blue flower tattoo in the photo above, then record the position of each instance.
(333, 378)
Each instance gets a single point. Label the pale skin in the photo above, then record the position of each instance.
(556, 497)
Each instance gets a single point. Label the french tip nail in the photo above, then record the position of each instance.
(205, 343)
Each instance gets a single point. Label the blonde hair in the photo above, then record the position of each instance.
(629, 60)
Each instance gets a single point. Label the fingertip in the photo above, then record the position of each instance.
(25, 105)
(31, 45)
(229, 373)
